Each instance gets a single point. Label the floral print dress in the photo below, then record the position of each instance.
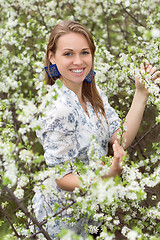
(66, 132)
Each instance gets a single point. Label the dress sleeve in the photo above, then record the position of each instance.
(111, 115)
(58, 136)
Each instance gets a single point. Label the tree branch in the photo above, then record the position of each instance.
(10, 222)
(133, 146)
(129, 14)
(23, 208)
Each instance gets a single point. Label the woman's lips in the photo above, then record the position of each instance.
(78, 71)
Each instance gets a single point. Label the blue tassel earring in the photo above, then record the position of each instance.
(52, 71)
(90, 76)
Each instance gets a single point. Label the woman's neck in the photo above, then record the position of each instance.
(75, 87)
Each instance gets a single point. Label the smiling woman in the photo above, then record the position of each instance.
(73, 59)
(72, 48)
(79, 113)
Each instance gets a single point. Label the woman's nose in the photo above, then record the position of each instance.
(77, 60)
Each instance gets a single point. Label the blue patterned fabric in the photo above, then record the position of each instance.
(66, 132)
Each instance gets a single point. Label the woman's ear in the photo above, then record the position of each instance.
(51, 57)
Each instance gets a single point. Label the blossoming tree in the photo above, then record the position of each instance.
(126, 33)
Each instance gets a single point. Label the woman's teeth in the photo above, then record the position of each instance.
(78, 71)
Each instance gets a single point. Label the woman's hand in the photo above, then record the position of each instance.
(146, 68)
(119, 153)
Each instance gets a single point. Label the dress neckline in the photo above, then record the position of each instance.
(64, 88)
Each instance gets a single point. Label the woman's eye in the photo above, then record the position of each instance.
(67, 54)
(85, 52)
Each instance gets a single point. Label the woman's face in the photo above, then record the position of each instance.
(73, 58)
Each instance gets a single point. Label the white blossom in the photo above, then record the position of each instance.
(132, 235)
(155, 32)
(19, 193)
(11, 172)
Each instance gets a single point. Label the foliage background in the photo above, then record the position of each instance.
(126, 33)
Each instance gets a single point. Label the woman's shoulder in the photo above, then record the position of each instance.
(60, 112)
(59, 118)
(63, 104)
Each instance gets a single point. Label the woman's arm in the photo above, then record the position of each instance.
(133, 119)
(135, 114)
(116, 168)
(69, 182)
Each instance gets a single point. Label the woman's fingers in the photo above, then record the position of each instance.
(118, 150)
(152, 70)
(147, 68)
(156, 75)
(119, 153)
(144, 67)
(101, 163)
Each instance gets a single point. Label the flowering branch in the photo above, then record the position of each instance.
(23, 208)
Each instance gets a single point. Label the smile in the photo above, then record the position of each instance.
(77, 70)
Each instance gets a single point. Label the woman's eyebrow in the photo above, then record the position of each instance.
(70, 49)
(87, 48)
